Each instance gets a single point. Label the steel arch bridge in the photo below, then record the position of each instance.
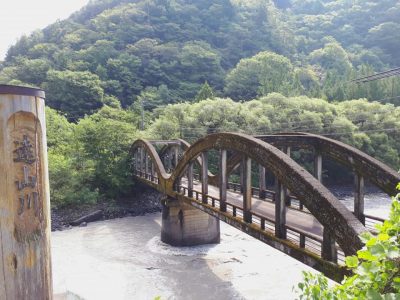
(298, 216)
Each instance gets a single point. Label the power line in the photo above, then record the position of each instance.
(322, 134)
(381, 75)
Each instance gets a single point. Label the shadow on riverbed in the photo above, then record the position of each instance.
(125, 259)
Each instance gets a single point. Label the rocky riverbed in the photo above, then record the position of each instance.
(143, 201)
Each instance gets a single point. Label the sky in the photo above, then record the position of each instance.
(19, 17)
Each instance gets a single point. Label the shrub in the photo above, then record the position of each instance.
(376, 267)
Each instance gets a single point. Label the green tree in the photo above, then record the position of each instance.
(106, 137)
(71, 176)
(74, 93)
(261, 74)
(206, 92)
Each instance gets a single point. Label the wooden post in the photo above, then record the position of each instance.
(204, 176)
(25, 263)
(223, 180)
(359, 197)
(246, 166)
(262, 182)
(280, 210)
(190, 179)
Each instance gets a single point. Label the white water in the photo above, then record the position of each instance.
(125, 259)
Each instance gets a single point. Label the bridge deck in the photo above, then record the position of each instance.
(295, 219)
(293, 230)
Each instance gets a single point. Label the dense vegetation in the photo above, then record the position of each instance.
(89, 159)
(376, 267)
(116, 59)
(163, 51)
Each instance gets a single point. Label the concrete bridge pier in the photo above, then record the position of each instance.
(184, 225)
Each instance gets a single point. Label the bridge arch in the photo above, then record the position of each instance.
(377, 172)
(325, 207)
(139, 151)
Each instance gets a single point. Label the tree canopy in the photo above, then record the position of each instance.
(120, 49)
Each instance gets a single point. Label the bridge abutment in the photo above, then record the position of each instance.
(184, 225)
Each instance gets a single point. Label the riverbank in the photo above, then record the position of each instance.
(143, 201)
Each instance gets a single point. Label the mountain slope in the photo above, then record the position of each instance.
(162, 51)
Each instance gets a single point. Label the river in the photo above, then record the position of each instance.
(125, 259)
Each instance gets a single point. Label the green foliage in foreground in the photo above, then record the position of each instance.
(376, 267)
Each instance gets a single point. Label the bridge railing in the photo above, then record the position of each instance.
(301, 238)
(293, 202)
(296, 191)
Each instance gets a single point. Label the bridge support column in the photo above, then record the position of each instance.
(359, 197)
(142, 167)
(146, 166)
(288, 199)
(328, 247)
(329, 251)
(190, 179)
(247, 216)
(204, 176)
(223, 179)
(280, 210)
(262, 183)
(184, 225)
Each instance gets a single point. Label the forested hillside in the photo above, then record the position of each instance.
(192, 67)
(163, 51)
